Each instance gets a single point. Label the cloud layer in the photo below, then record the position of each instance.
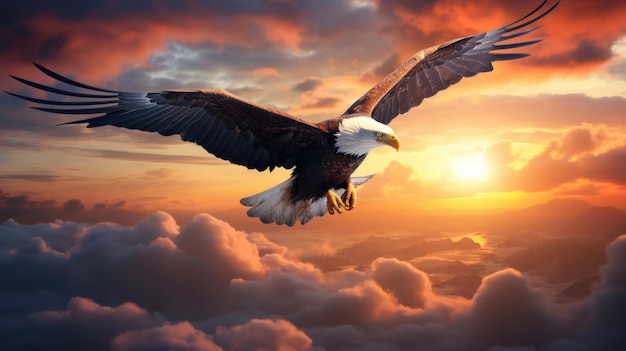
(207, 286)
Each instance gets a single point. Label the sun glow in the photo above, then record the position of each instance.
(471, 167)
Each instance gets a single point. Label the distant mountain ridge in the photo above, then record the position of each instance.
(562, 217)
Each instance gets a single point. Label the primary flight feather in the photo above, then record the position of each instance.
(323, 155)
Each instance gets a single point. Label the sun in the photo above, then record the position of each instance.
(470, 167)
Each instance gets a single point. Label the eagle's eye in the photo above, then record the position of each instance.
(379, 134)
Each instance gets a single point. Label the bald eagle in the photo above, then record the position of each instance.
(323, 155)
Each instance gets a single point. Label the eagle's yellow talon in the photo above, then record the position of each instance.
(334, 202)
(349, 197)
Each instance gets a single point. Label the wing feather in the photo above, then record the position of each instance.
(225, 125)
(435, 69)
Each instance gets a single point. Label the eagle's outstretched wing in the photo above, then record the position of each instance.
(226, 125)
(434, 69)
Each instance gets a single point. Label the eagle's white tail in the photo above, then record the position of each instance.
(275, 206)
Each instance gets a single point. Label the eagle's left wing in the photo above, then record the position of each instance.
(434, 69)
(227, 126)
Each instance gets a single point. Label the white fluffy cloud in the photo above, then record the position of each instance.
(206, 286)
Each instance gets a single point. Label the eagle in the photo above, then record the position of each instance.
(323, 155)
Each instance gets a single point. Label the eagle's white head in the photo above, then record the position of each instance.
(358, 135)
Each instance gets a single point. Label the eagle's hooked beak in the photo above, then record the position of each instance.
(391, 140)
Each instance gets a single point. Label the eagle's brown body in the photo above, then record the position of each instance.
(323, 168)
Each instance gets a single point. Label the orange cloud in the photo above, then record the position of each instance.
(585, 160)
(397, 181)
(411, 287)
(171, 336)
(264, 334)
(581, 153)
(266, 71)
(578, 35)
(101, 45)
(315, 102)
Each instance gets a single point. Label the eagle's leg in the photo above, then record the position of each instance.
(333, 202)
(349, 197)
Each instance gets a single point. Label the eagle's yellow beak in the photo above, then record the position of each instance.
(391, 140)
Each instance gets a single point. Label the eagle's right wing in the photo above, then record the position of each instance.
(437, 68)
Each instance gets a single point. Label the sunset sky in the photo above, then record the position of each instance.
(137, 241)
(551, 125)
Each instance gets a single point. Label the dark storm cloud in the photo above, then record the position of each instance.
(28, 210)
(383, 69)
(391, 8)
(322, 102)
(16, 13)
(73, 206)
(23, 201)
(586, 51)
(308, 84)
(207, 286)
(589, 51)
(22, 37)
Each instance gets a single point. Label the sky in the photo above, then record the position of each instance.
(114, 201)
(550, 125)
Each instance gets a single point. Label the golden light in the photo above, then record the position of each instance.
(470, 167)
